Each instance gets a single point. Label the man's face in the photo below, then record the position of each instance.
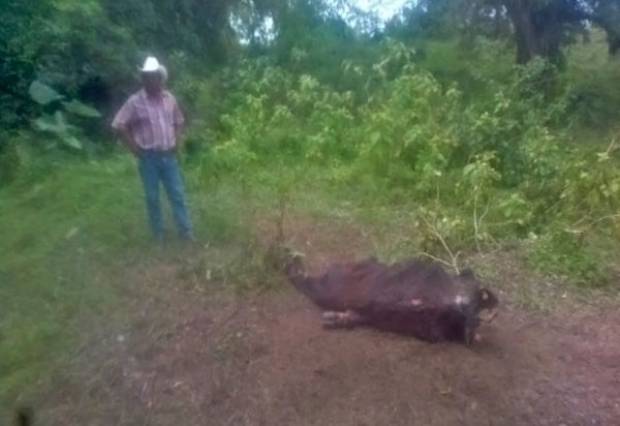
(152, 82)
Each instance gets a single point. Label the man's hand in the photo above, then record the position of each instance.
(129, 142)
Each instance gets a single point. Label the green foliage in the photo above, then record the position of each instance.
(21, 32)
(467, 151)
(568, 256)
(477, 171)
(57, 126)
(594, 82)
(43, 94)
(50, 267)
(536, 28)
(79, 109)
(55, 123)
(591, 185)
(9, 161)
(68, 244)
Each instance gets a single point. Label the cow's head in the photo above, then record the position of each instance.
(487, 299)
(484, 299)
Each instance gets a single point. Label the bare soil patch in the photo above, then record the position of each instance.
(196, 354)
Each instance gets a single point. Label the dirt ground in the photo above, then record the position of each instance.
(195, 354)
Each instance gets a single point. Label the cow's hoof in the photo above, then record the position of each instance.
(472, 337)
(335, 319)
(330, 319)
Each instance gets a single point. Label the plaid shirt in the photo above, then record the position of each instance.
(151, 122)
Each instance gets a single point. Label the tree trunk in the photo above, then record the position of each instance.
(538, 32)
(528, 46)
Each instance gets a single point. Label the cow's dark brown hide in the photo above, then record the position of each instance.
(413, 297)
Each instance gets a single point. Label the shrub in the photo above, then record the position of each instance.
(474, 172)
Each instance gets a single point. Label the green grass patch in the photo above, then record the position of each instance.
(59, 240)
(67, 239)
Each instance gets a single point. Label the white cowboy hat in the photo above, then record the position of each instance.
(151, 64)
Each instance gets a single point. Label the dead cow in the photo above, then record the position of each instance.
(414, 297)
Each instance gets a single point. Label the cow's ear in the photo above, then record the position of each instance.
(484, 294)
(487, 297)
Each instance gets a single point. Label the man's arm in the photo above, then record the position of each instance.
(128, 140)
(121, 124)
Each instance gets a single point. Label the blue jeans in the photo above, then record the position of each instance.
(160, 166)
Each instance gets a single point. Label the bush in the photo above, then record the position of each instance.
(568, 256)
(475, 173)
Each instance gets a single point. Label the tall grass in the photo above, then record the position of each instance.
(57, 237)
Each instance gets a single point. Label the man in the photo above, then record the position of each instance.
(150, 124)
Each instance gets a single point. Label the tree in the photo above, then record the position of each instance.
(606, 14)
(198, 27)
(538, 27)
(541, 27)
(22, 28)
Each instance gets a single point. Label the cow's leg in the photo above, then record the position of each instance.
(471, 325)
(341, 319)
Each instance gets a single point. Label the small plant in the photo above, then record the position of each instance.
(567, 255)
(480, 172)
(54, 120)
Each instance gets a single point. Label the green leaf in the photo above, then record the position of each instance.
(71, 141)
(469, 168)
(375, 137)
(51, 123)
(61, 122)
(45, 123)
(42, 93)
(83, 110)
(57, 125)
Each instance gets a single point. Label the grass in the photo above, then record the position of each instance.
(66, 239)
(72, 230)
(69, 231)
(59, 240)
(69, 239)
